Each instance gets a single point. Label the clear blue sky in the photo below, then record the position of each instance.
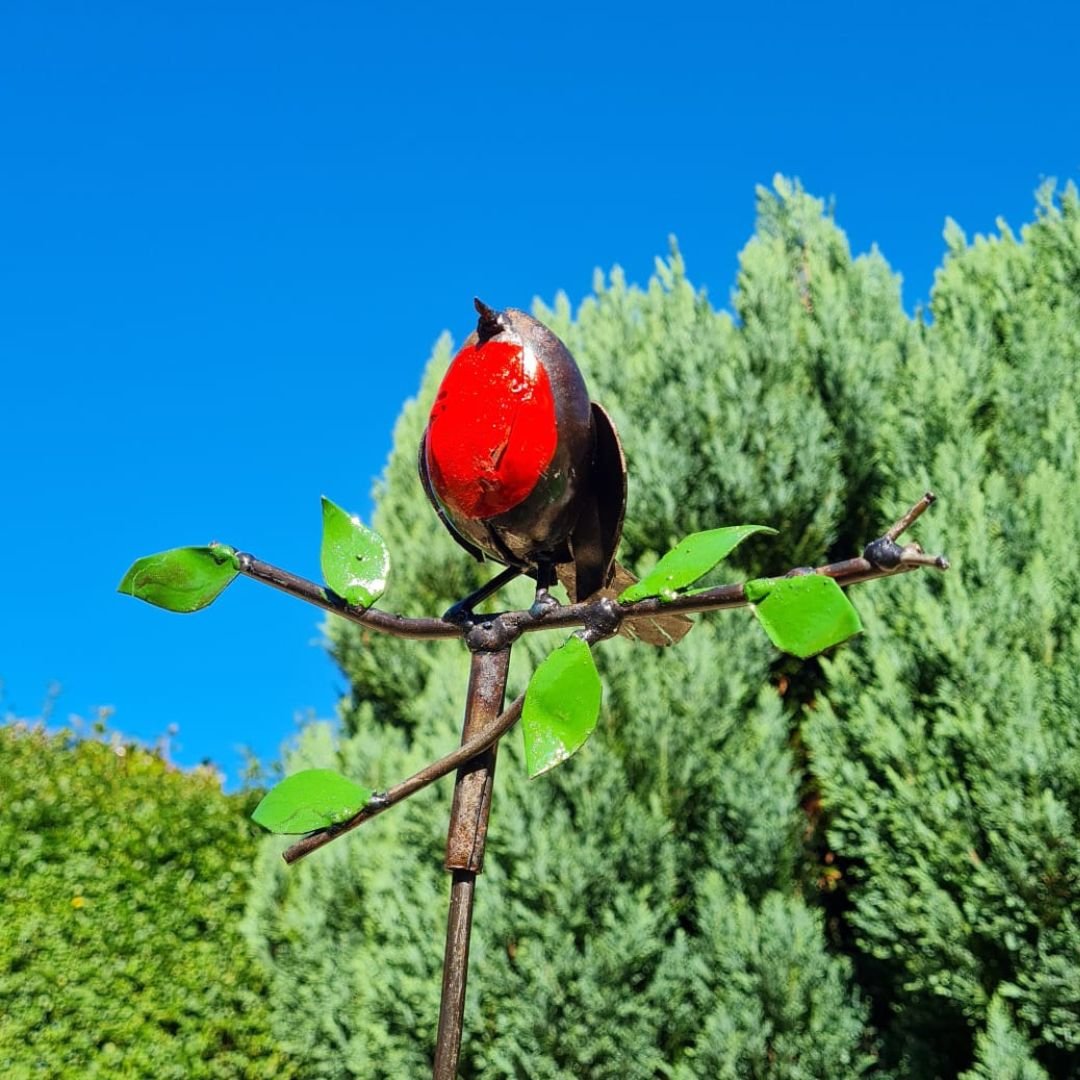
(230, 234)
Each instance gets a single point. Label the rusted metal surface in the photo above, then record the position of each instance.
(421, 629)
(465, 842)
(472, 791)
(455, 975)
(510, 456)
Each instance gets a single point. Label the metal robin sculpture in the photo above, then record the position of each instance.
(524, 469)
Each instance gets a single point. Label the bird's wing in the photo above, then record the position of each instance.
(596, 532)
(609, 483)
(658, 630)
(594, 571)
(421, 468)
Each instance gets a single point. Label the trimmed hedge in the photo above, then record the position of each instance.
(123, 882)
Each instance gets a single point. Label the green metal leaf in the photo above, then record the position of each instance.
(803, 615)
(183, 579)
(562, 705)
(690, 559)
(758, 589)
(355, 560)
(310, 800)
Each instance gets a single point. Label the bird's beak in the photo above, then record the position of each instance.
(490, 323)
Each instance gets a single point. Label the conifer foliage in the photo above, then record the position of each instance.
(947, 746)
(756, 867)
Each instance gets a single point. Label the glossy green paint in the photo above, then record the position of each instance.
(562, 705)
(183, 579)
(689, 560)
(803, 615)
(355, 561)
(310, 800)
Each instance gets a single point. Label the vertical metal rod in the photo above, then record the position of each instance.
(465, 843)
(455, 975)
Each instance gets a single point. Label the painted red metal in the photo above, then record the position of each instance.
(524, 469)
(492, 430)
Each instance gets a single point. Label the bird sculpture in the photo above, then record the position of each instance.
(524, 469)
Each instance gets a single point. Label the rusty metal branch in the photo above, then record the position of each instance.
(499, 631)
(881, 558)
(423, 629)
(383, 800)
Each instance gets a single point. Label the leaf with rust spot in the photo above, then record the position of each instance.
(182, 579)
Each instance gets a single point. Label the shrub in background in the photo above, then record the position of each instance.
(122, 882)
(947, 743)
(756, 868)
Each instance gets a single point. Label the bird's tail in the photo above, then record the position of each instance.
(652, 629)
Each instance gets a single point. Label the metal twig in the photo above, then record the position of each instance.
(436, 770)
(882, 558)
(900, 527)
(383, 621)
(499, 631)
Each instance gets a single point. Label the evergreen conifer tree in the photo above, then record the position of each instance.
(947, 746)
(750, 853)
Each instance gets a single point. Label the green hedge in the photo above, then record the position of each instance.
(122, 883)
